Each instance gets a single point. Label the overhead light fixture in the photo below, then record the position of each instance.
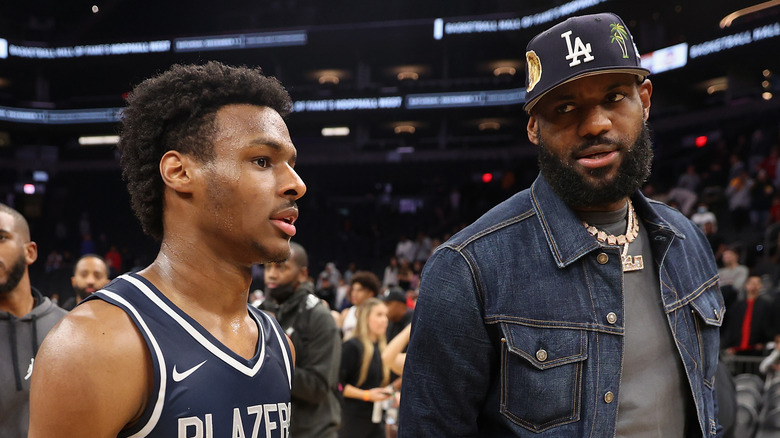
(766, 95)
(489, 126)
(714, 85)
(504, 70)
(765, 84)
(408, 75)
(328, 78)
(767, 73)
(728, 19)
(404, 129)
(92, 140)
(335, 131)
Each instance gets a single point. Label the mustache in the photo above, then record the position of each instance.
(596, 141)
(286, 206)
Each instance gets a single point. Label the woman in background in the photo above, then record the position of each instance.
(363, 375)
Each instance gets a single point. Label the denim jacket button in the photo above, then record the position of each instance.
(541, 355)
(602, 258)
(611, 317)
(609, 396)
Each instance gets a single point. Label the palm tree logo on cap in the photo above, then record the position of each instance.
(620, 36)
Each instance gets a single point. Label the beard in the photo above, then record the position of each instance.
(281, 293)
(81, 293)
(577, 191)
(15, 275)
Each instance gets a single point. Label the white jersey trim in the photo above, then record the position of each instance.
(158, 405)
(198, 336)
(282, 343)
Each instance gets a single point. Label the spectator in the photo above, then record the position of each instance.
(114, 261)
(364, 285)
(316, 412)
(26, 316)
(398, 314)
(390, 277)
(703, 216)
(89, 275)
(751, 324)
(738, 194)
(732, 276)
(363, 374)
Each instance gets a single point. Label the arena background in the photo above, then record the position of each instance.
(431, 94)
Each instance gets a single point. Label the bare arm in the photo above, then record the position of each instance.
(392, 356)
(92, 375)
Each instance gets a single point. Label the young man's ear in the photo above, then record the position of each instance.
(176, 171)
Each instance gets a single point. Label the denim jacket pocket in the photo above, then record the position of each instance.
(708, 310)
(541, 375)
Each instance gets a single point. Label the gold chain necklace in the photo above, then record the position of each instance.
(630, 263)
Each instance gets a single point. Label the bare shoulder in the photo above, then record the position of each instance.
(95, 356)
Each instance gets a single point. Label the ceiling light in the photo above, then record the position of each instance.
(767, 73)
(404, 129)
(328, 78)
(766, 95)
(91, 140)
(489, 126)
(504, 70)
(335, 131)
(408, 75)
(728, 19)
(95, 9)
(765, 84)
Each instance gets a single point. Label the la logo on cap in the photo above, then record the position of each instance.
(578, 50)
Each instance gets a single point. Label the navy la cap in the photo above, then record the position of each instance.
(578, 47)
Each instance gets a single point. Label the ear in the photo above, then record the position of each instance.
(533, 130)
(176, 171)
(645, 91)
(303, 275)
(30, 252)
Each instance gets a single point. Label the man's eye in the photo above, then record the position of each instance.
(563, 109)
(262, 162)
(617, 97)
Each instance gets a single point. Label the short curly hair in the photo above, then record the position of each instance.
(176, 110)
(368, 280)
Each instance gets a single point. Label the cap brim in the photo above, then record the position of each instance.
(628, 70)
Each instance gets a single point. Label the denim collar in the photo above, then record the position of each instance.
(567, 239)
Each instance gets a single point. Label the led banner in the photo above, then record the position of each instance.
(441, 28)
(735, 40)
(89, 50)
(60, 117)
(465, 99)
(241, 41)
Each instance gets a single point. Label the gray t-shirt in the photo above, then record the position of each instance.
(654, 394)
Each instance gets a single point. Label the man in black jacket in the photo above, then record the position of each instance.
(316, 411)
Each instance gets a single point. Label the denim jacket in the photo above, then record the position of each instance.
(518, 330)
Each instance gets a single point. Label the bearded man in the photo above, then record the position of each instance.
(26, 316)
(578, 307)
(316, 411)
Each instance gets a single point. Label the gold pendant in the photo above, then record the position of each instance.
(632, 263)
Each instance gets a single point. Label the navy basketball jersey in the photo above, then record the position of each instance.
(201, 388)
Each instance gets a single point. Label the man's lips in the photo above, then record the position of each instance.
(598, 156)
(285, 220)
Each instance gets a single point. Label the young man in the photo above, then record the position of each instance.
(316, 411)
(578, 307)
(89, 275)
(175, 350)
(25, 318)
